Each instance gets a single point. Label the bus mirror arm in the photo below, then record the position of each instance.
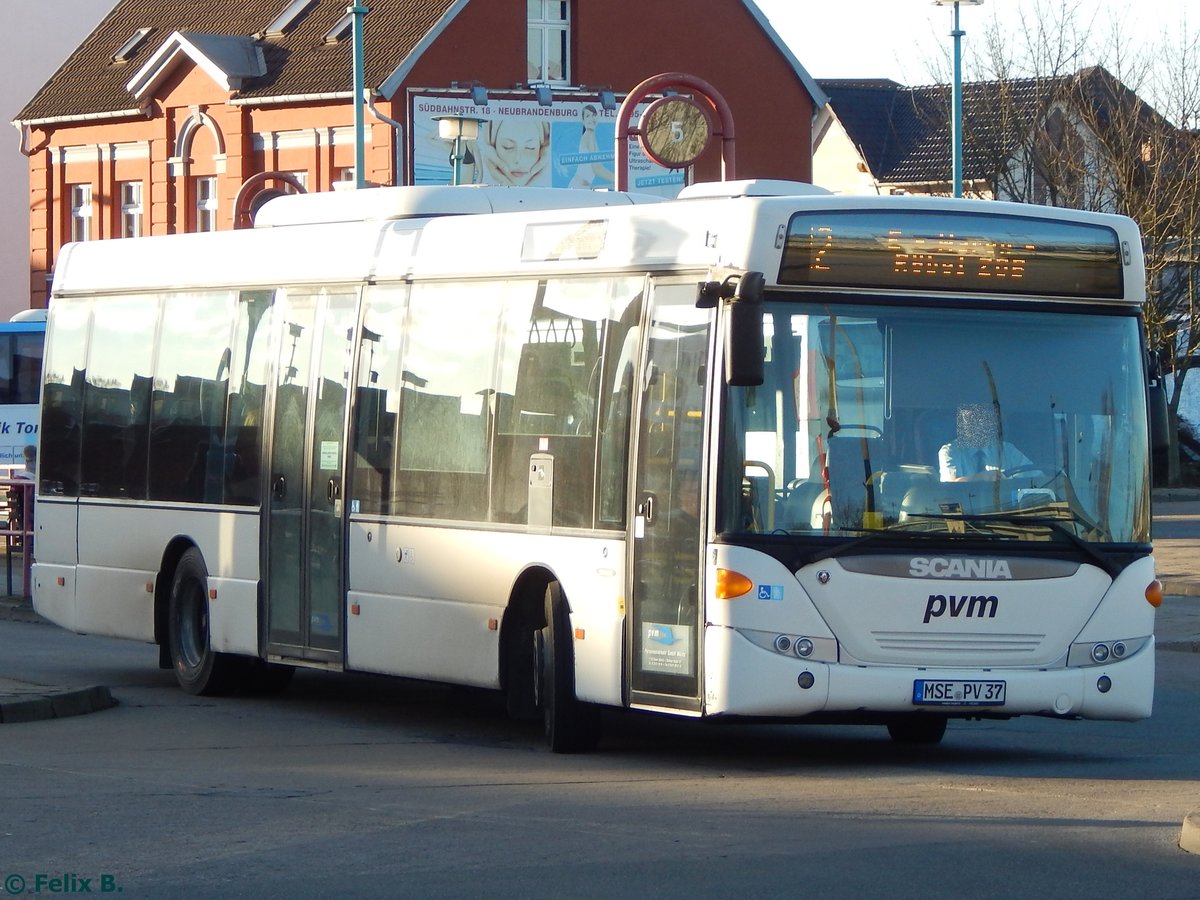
(729, 284)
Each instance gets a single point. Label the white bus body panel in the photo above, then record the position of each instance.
(953, 621)
(121, 547)
(890, 637)
(427, 597)
(746, 680)
(55, 558)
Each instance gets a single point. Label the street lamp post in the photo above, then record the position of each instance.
(358, 11)
(956, 141)
(457, 129)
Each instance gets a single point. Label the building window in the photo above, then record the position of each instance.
(549, 38)
(81, 212)
(131, 209)
(206, 203)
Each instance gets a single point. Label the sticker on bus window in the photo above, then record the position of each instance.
(330, 455)
(667, 649)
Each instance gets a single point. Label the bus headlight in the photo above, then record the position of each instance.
(1099, 653)
(807, 648)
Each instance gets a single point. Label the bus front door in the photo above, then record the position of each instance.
(304, 547)
(665, 608)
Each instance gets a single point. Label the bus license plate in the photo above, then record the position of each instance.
(958, 693)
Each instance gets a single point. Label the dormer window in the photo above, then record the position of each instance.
(130, 46)
(340, 31)
(289, 18)
(549, 40)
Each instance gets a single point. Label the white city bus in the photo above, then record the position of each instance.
(677, 456)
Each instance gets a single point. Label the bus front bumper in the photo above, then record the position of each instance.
(742, 679)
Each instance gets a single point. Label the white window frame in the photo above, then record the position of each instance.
(131, 209)
(549, 23)
(81, 212)
(206, 202)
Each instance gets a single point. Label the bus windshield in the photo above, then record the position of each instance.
(997, 424)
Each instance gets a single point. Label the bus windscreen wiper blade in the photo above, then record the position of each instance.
(871, 535)
(1055, 525)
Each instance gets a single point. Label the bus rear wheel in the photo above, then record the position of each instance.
(198, 668)
(571, 726)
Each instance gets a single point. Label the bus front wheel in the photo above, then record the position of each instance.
(571, 726)
(198, 668)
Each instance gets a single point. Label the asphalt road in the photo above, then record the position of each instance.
(354, 786)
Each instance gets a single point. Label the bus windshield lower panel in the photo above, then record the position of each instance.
(997, 424)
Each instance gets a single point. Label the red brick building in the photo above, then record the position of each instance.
(158, 120)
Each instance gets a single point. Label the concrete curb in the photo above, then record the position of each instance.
(31, 704)
(1189, 838)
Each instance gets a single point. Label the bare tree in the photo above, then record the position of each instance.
(1064, 111)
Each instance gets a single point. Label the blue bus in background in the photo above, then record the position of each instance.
(21, 340)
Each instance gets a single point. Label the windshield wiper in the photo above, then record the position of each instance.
(1055, 525)
(871, 535)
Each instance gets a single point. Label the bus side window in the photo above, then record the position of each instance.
(187, 427)
(445, 395)
(116, 398)
(62, 405)
(380, 376)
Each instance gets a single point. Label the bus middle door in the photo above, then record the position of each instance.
(305, 546)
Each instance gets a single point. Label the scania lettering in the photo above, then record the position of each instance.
(959, 568)
(698, 457)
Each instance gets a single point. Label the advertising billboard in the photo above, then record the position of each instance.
(569, 144)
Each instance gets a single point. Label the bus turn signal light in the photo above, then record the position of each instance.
(732, 584)
(1154, 593)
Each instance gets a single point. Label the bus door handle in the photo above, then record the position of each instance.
(646, 509)
(333, 490)
(279, 487)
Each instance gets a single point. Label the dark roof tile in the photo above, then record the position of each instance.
(90, 83)
(904, 132)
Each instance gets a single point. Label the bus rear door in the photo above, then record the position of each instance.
(304, 509)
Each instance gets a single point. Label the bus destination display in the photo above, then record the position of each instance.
(940, 251)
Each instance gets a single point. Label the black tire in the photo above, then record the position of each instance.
(198, 669)
(571, 726)
(521, 675)
(918, 729)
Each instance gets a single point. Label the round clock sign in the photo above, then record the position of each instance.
(674, 131)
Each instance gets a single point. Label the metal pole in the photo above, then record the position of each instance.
(457, 159)
(358, 11)
(956, 174)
